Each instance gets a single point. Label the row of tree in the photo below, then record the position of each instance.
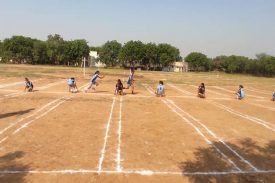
(263, 65)
(150, 55)
(55, 50)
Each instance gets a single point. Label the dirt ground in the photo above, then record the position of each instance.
(51, 135)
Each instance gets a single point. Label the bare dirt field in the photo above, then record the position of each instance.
(51, 135)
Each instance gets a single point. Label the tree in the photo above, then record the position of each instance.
(56, 49)
(76, 50)
(18, 49)
(132, 53)
(109, 53)
(198, 61)
(39, 52)
(151, 56)
(235, 64)
(168, 54)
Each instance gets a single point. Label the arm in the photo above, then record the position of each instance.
(101, 76)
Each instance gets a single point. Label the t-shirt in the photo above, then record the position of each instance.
(29, 84)
(160, 89)
(119, 86)
(201, 89)
(242, 93)
(94, 78)
(70, 81)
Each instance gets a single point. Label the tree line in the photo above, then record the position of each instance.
(56, 51)
(150, 56)
(262, 65)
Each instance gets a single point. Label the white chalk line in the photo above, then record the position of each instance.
(179, 89)
(50, 85)
(259, 91)
(118, 157)
(266, 107)
(263, 123)
(231, 91)
(43, 107)
(137, 172)
(15, 83)
(38, 117)
(200, 133)
(103, 150)
(215, 136)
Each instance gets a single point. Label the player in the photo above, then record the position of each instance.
(273, 96)
(130, 81)
(72, 85)
(160, 92)
(240, 93)
(93, 81)
(201, 91)
(29, 85)
(119, 88)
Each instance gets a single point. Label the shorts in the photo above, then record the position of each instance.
(129, 82)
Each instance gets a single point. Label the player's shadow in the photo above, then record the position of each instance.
(207, 160)
(17, 113)
(9, 163)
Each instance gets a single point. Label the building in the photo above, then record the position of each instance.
(94, 60)
(177, 67)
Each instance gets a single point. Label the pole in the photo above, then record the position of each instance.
(84, 66)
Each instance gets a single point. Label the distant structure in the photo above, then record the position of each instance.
(177, 67)
(94, 60)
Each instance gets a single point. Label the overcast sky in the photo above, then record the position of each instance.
(213, 27)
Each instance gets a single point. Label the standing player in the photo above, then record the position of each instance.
(93, 82)
(29, 85)
(130, 82)
(160, 90)
(240, 93)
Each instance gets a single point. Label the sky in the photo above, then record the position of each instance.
(212, 27)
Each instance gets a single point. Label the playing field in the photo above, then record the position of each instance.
(51, 135)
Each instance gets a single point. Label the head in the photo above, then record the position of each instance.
(26, 79)
(72, 78)
(97, 72)
(119, 81)
(241, 86)
(161, 82)
(202, 84)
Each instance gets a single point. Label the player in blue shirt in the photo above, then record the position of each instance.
(93, 81)
(29, 85)
(240, 93)
(160, 92)
(273, 96)
(130, 81)
(72, 85)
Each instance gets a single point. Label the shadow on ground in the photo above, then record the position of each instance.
(9, 162)
(209, 160)
(18, 113)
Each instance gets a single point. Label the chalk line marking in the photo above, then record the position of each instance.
(50, 85)
(12, 124)
(261, 122)
(4, 139)
(179, 89)
(103, 150)
(165, 101)
(259, 91)
(118, 157)
(15, 83)
(215, 136)
(266, 107)
(137, 172)
(38, 117)
(231, 91)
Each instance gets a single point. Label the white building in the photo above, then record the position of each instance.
(94, 62)
(177, 67)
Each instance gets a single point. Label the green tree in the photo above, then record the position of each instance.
(39, 52)
(235, 64)
(56, 49)
(151, 56)
(109, 53)
(168, 54)
(132, 53)
(198, 61)
(18, 49)
(76, 50)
